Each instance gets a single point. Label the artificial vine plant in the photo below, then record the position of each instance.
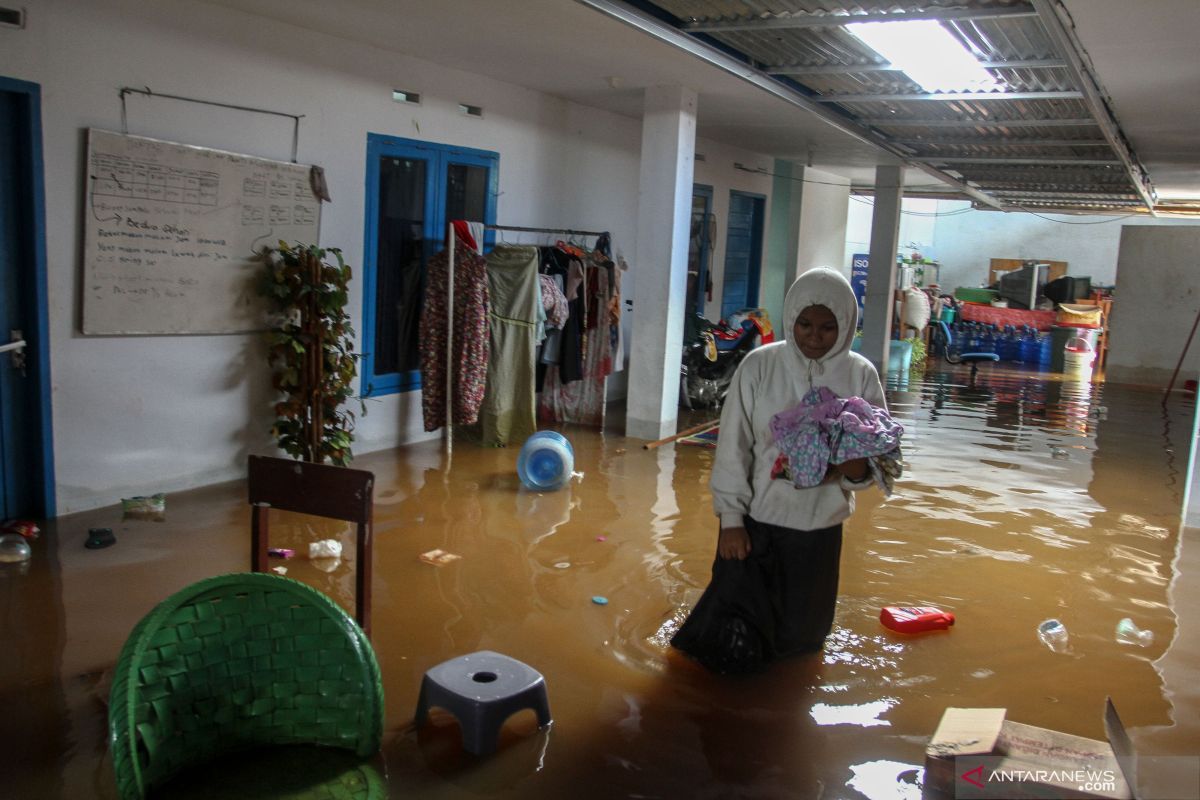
(311, 351)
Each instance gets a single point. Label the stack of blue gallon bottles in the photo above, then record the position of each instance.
(1023, 345)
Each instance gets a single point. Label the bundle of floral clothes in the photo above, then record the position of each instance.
(826, 429)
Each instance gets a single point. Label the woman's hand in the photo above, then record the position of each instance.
(855, 469)
(733, 543)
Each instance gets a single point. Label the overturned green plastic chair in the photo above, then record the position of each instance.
(239, 662)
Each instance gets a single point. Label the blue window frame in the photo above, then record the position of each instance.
(414, 189)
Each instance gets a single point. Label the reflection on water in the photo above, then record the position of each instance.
(886, 780)
(990, 521)
(865, 715)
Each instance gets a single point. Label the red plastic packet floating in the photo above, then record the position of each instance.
(23, 527)
(915, 619)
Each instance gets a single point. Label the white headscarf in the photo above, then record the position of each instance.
(822, 286)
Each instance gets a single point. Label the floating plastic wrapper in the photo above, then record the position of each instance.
(24, 527)
(326, 548)
(153, 507)
(1054, 635)
(1129, 633)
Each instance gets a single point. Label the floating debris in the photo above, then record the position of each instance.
(438, 558)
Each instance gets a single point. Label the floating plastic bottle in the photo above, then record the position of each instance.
(1130, 633)
(546, 461)
(13, 548)
(915, 619)
(1054, 635)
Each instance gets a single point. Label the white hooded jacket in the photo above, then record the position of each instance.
(774, 378)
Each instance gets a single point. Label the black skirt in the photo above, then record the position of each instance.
(777, 602)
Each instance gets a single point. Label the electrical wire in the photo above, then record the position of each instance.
(955, 213)
(744, 168)
(1070, 222)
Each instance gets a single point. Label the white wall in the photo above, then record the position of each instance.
(965, 241)
(916, 227)
(824, 198)
(1156, 303)
(136, 415)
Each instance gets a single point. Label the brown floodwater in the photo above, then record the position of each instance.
(1023, 498)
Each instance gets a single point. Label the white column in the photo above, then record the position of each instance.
(881, 272)
(664, 216)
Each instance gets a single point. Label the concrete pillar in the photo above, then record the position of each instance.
(783, 238)
(664, 217)
(881, 271)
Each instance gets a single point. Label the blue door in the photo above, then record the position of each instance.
(26, 458)
(743, 252)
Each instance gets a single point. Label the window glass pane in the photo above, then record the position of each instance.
(697, 251)
(399, 264)
(466, 192)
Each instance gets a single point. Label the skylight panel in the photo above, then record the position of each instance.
(927, 53)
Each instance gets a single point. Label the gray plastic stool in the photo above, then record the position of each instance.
(482, 690)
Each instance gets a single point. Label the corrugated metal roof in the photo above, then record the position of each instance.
(1025, 145)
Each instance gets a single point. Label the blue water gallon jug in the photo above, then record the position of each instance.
(546, 461)
(1044, 351)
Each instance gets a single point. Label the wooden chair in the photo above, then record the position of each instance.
(321, 490)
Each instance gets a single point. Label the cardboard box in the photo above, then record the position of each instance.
(977, 753)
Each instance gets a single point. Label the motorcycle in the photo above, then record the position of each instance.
(713, 350)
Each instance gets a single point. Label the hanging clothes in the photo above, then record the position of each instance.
(566, 350)
(471, 342)
(554, 301)
(616, 338)
(582, 400)
(508, 413)
(570, 362)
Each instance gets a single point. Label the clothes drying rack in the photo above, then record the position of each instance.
(451, 239)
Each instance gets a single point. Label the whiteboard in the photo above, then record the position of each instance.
(171, 232)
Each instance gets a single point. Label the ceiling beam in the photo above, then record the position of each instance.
(844, 69)
(673, 36)
(1053, 180)
(838, 20)
(980, 123)
(1063, 162)
(1130, 197)
(1065, 45)
(1002, 142)
(1106, 210)
(947, 96)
